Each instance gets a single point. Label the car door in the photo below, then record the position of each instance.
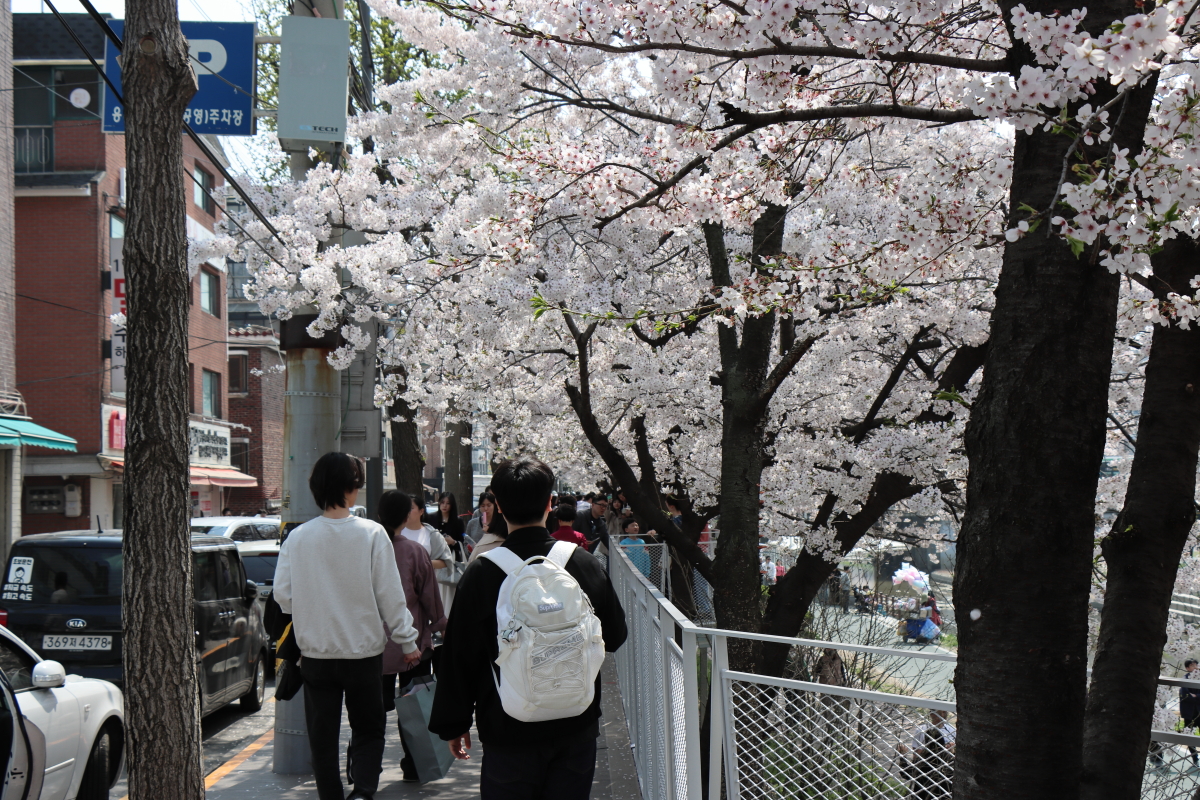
(232, 584)
(51, 715)
(23, 754)
(212, 627)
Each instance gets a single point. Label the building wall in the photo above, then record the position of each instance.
(8, 368)
(261, 410)
(62, 311)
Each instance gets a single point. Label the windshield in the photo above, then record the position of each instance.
(261, 568)
(211, 530)
(64, 575)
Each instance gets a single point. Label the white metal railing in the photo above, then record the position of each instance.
(831, 734)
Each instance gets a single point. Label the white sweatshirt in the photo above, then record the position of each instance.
(338, 579)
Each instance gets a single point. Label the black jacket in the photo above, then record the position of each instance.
(465, 684)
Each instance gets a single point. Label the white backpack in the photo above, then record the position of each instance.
(551, 646)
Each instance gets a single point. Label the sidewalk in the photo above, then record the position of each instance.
(248, 773)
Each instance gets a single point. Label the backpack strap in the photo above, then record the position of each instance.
(505, 559)
(560, 554)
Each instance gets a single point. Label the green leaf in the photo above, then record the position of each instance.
(1077, 246)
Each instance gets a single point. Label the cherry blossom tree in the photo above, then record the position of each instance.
(726, 238)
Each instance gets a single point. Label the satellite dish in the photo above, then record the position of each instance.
(80, 97)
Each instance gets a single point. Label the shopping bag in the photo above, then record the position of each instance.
(451, 574)
(430, 755)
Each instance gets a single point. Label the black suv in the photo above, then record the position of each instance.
(62, 596)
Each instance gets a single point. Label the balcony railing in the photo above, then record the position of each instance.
(34, 148)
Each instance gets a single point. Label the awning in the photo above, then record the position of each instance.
(16, 431)
(208, 476)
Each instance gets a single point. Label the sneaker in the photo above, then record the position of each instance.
(360, 795)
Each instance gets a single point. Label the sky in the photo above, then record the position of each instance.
(212, 10)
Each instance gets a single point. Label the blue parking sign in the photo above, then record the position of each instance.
(223, 57)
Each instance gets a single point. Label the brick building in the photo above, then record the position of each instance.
(69, 227)
(256, 385)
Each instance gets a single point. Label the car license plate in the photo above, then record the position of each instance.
(74, 642)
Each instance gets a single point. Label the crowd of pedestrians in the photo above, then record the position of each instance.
(506, 614)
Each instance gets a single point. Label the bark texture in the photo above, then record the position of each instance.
(161, 699)
(456, 475)
(1035, 441)
(406, 447)
(1143, 549)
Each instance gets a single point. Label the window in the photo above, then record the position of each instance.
(239, 455)
(204, 575)
(212, 394)
(239, 372)
(245, 533)
(76, 94)
(17, 665)
(230, 578)
(239, 279)
(210, 292)
(202, 191)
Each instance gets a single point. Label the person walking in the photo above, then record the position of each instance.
(478, 524)
(493, 538)
(424, 603)
(447, 522)
(337, 577)
(591, 523)
(1189, 704)
(551, 759)
(844, 587)
(565, 532)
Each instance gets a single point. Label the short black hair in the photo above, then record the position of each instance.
(567, 498)
(626, 523)
(565, 513)
(393, 509)
(589, 496)
(522, 487)
(1190, 661)
(333, 476)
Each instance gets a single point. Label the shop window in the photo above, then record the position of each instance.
(239, 373)
(211, 386)
(239, 455)
(202, 188)
(210, 292)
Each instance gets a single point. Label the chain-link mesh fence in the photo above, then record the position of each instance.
(849, 721)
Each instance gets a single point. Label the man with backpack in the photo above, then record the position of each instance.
(522, 651)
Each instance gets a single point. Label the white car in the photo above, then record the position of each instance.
(67, 742)
(239, 529)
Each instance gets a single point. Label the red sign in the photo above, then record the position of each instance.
(116, 429)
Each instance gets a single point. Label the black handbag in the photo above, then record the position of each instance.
(288, 677)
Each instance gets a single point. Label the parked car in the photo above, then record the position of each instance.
(67, 740)
(239, 529)
(259, 559)
(62, 595)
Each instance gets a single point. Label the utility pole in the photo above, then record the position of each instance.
(311, 402)
(163, 722)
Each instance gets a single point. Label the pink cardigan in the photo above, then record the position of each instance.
(423, 598)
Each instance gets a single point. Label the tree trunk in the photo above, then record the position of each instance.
(161, 698)
(453, 467)
(406, 441)
(1035, 441)
(1143, 549)
(466, 468)
(744, 368)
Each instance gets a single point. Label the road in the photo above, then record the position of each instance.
(226, 732)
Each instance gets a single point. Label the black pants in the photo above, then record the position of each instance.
(390, 685)
(326, 682)
(560, 770)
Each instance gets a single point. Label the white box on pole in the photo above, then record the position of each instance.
(314, 82)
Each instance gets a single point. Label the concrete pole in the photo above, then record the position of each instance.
(311, 403)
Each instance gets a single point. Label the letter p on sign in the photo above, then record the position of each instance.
(216, 56)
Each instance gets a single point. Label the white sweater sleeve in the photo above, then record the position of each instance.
(282, 587)
(389, 593)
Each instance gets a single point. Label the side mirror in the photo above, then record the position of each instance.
(48, 675)
(251, 591)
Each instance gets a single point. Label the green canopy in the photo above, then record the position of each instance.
(16, 431)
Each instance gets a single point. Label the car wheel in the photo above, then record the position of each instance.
(96, 774)
(253, 700)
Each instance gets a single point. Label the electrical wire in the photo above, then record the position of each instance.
(116, 40)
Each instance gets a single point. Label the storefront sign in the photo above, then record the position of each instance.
(209, 444)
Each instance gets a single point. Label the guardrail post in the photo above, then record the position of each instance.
(691, 711)
(716, 726)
